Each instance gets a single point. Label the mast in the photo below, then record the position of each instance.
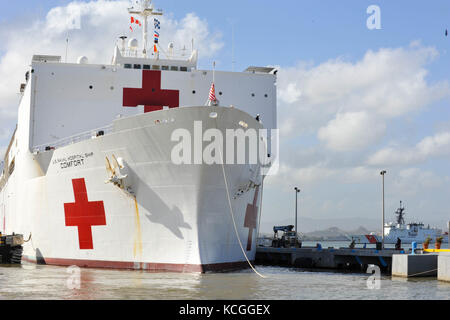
(146, 10)
(400, 212)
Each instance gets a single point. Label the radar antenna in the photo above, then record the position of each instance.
(400, 213)
(145, 9)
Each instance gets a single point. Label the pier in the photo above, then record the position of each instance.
(326, 258)
(433, 263)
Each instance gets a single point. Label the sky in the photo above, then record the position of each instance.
(352, 101)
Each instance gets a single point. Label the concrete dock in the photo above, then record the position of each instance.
(432, 263)
(326, 258)
(444, 266)
(414, 265)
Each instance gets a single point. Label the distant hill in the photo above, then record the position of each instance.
(333, 233)
(307, 225)
(330, 234)
(356, 225)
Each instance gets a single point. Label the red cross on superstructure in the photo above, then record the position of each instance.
(151, 96)
(251, 215)
(84, 214)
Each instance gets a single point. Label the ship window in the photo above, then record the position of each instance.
(253, 94)
(193, 92)
(155, 67)
(183, 69)
(91, 87)
(220, 93)
(147, 67)
(127, 66)
(174, 68)
(266, 95)
(137, 66)
(165, 67)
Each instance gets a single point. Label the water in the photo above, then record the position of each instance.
(30, 281)
(51, 282)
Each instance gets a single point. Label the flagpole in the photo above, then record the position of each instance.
(145, 35)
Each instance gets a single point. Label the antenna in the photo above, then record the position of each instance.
(146, 10)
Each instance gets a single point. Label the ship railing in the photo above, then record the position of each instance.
(91, 134)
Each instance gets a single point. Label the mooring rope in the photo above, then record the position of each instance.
(412, 275)
(29, 238)
(232, 214)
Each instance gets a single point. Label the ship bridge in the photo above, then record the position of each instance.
(129, 59)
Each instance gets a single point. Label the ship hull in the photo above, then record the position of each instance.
(161, 217)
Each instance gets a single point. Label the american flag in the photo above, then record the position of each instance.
(212, 93)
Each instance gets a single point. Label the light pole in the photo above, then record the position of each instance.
(297, 191)
(382, 219)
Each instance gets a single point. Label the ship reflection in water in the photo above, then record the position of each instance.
(51, 282)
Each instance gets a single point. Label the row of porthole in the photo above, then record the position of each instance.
(154, 67)
(193, 92)
(92, 87)
(220, 93)
(164, 121)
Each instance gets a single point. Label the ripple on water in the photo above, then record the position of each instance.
(50, 282)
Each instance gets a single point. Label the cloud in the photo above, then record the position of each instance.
(411, 181)
(433, 146)
(385, 84)
(101, 22)
(321, 173)
(352, 130)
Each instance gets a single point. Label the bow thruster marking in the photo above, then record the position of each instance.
(251, 215)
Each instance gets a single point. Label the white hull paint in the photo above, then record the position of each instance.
(179, 219)
(161, 216)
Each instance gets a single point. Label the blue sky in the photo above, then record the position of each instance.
(307, 39)
(287, 31)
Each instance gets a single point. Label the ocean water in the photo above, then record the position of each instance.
(50, 282)
(29, 281)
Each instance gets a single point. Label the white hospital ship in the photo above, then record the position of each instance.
(89, 176)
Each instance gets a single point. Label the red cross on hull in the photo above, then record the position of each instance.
(251, 216)
(84, 214)
(151, 96)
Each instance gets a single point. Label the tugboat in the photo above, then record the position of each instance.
(406, 232)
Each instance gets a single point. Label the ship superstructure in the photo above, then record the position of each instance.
(406, 232)
(90, 171)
